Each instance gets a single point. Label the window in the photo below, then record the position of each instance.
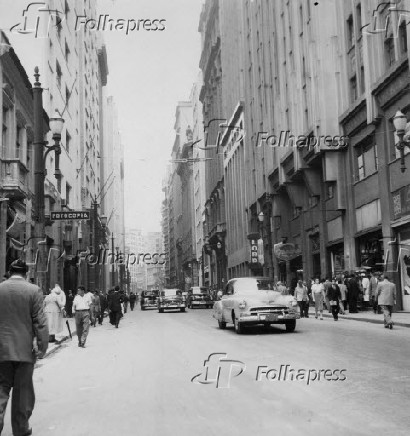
(5, 127)
(403, 37)
(389, 51)
(59, 74)
(313, 201)
(67, 52)
(67, 142)
(67, 193)
(330, 191)
(359, 18)
(362, 80)
(19, 143)
(67, 98)
(367, 159)
(350, 32)
(353, 89)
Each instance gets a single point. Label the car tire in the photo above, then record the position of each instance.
(222, 325)
(238, 326)
(291, 325)
(182, 309)
(161, 310)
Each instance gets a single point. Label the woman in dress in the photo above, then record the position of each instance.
(95, 308)
(53, 309)
(318, 296)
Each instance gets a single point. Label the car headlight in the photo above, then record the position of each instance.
(242, 305)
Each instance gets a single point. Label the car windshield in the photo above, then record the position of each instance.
(169, 292)
(151, 294)
(199, 296)
(253, 285)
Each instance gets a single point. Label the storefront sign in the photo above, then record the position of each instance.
(58, 216)
(286, 251)
(254, 251)
(401, 202)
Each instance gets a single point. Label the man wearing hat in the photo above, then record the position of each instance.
(21, 321)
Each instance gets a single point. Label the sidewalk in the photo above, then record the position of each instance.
(399, 318)
(54, 346)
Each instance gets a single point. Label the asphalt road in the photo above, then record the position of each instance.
(136, 380)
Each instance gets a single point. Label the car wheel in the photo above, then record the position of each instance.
(222, 324)
(161, 310)
(291, 325)
(182, 309)
(238, 326)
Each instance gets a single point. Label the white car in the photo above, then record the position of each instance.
(252, 301)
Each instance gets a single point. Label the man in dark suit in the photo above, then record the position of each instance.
(353, 291)
(21, 320)
(115, 306)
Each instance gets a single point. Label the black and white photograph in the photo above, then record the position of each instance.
(204, 217)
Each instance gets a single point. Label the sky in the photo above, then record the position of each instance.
(149, 72)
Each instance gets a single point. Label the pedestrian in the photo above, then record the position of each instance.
(115, 306)
(302, 298)
(22, 324)
(353, 291)
(125, 301)
(89, 295)
(103, 307)
(366, 290)
(318, 295)
(95, 308)
(81, 311)
(343, 296)
(219, 294)
(110, 313)
(373, 291)
(54, 312)
(61, 296)
(386, 292)
(334, 296)
(69, 304)
(282, 288)
(133, 299)
(327, 283)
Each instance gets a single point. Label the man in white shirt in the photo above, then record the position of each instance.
(81, 312)
(366, 288)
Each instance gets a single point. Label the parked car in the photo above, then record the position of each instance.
(149, 299)
(252, 301)
(200, 300)
(171, 299)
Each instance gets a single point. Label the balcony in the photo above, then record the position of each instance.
(13, 180)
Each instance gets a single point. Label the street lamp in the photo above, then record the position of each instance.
(261, 217)
(400, 124)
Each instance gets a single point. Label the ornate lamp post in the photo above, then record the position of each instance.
(401, 125)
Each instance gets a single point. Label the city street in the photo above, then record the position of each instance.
(137, 380)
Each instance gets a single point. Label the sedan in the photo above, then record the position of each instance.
(253, 301)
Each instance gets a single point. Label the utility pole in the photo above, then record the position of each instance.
(3, 235)
(112, 270)
(39, 167)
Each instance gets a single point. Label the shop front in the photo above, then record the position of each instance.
(370, 251)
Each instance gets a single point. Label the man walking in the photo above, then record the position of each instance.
(133, 299)
(115, 306)
(352, 293)
(81, 311)
(373, 284)
(386, 292)
(103, 304)
(21, 320)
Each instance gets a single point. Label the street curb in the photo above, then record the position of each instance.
(54, 349)
(372, 321)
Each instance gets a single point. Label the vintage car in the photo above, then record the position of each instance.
(251, 301)
(199, 300)
(149, 299)
(171, 299)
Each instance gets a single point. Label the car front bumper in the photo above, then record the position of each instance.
(267, 318)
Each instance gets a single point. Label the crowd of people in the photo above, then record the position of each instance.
(343, 293)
